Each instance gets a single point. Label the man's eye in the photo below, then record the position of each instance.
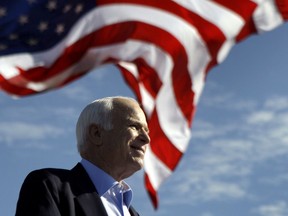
(133, 126)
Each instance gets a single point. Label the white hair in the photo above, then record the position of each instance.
(98, 112)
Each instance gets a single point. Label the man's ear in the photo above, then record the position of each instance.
(95, 134)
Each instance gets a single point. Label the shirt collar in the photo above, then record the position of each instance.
(104, 182)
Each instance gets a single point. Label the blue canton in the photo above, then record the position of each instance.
(36, 25)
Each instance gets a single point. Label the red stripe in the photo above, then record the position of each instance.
(16, 85)
(12, 86)
(161, 145)
(151, 191)
(131, 81)
(71, 78)
(245, 9)
(148, 77)
(248, 29)
(283, 8)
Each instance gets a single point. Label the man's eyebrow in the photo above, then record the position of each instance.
(134, 121)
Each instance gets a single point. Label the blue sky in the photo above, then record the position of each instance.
(236, 163)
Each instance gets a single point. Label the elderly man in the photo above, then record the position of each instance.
(112, 136)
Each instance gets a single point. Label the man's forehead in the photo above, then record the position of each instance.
(127, 106)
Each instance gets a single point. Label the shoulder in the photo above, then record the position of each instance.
(49, 179)
(48, 174)
(53, 176)
(58, 181)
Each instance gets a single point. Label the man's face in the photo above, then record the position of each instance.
(126, 143)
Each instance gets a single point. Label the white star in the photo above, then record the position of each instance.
(79, 8)
(43, 26)
(31, 1)
(23, 19)
(52, 5)
(3, 12)
(60, 29)
(2, 47)
(67, 8)
(13, 36)
(32, 42)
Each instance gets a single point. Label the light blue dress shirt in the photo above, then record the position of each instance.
(116, 196)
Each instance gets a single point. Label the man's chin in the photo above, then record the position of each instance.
(138, 163)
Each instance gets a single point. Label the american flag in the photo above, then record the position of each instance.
(164, 49)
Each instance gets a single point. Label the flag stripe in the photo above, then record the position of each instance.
(151, 191)
(283, 8)
(164, 149)
(155, 169)
(267, 16)
(243, 8)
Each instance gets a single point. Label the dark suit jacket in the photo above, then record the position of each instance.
(59, 192)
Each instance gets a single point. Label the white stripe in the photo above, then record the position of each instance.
(224, 50)
(171, 119)
(229, 22)
(155, 169)
(147, 100)
(8, 71)
(226, 20)
(132, 68)
(266, 16)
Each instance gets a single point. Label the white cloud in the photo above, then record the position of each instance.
(64, 112)
(279, 208)
(227, 101)
(216, 190)
(217, 97)
(207, 214)
(260, 117)
(206, 130)
(217, 100)
(276, 180)
(13, 132)
(277, 103)
(77, 92)
(100, 73)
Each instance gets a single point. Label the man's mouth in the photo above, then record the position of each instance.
(138, 149)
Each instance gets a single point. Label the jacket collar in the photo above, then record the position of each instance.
(86, 194)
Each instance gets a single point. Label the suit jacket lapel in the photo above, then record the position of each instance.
(91, 204)
(86, 195)
(133, 211)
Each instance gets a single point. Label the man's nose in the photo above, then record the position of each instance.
(145, 137)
